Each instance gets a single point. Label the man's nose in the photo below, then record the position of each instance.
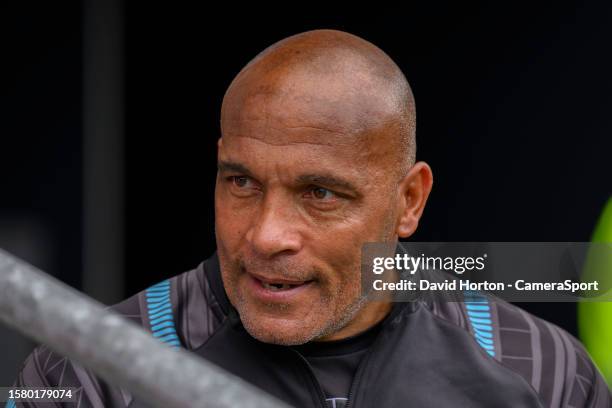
(275, 229)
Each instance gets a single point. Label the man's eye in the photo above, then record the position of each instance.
(321, 193)
(240, 181)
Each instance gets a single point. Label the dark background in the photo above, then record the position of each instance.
(513, 116)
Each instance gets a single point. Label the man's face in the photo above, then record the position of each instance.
(295, 200)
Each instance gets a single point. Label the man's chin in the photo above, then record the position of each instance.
(281, 331)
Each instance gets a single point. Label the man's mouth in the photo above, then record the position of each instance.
(275, 284)
(275, 287)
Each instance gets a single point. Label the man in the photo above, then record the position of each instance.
(316, 158)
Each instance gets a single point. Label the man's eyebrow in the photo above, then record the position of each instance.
(324, 180)
(327, 181)
(225, 166)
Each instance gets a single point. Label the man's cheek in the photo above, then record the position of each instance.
(228, 229)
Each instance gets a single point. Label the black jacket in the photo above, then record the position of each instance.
(428, 354)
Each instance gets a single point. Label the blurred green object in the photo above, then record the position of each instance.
(595, 318)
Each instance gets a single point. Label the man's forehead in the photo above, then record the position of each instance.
(295, 163)
(307, 128)
(304, 145)
(306, 160)
(279, 133)
(297, 112)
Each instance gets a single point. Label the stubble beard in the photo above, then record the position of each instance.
(311, 330)
(340, 319)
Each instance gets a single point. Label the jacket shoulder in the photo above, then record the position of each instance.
(555, 363)
(181, 311)
(551, 360)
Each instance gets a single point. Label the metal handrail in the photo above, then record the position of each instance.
(114, 348)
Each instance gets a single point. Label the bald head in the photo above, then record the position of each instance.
(328, 80)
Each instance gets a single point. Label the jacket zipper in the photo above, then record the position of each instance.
(313, 379)
(361, 368)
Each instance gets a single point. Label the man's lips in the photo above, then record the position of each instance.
(271, 288)
(275, 280)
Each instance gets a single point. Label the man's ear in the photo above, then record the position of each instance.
(413, 192)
